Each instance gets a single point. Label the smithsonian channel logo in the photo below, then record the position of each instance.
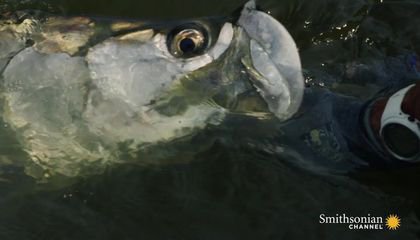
(368, 222)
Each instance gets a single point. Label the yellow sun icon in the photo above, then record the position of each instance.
(393, 222)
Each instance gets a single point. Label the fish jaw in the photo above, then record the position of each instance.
(274, 66)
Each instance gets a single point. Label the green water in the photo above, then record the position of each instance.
(229, 190)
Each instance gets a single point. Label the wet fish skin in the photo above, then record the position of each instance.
(77, 89)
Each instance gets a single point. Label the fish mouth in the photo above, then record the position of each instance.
(273, 63)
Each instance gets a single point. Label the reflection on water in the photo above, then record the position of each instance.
(235, 187)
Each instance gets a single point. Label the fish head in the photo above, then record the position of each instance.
(249, 64)
(83, 88)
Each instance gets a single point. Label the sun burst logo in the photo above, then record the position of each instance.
(393, 222)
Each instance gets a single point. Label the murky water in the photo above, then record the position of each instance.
(234, 187)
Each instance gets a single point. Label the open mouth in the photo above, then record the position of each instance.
(274, 64)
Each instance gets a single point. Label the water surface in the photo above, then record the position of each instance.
(229, 189)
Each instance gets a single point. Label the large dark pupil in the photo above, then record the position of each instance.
(187, 45)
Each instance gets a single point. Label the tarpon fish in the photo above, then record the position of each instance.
(76, 88)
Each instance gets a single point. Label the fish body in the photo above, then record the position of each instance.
(76, 88)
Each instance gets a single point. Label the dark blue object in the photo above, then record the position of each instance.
(412, 61)
(187, 45)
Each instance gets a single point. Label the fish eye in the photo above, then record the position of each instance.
(187, 41)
